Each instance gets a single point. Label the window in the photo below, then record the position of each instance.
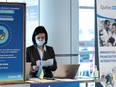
(86, 36)
(87, 3)
(2, 0)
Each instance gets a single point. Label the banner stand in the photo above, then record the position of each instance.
(12, 42)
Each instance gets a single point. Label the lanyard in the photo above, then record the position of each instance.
(41, 55)
(42, 58)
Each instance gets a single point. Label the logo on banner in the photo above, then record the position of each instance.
(5, 34)
(105, 7)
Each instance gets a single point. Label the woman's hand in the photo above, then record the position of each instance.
(35, 68)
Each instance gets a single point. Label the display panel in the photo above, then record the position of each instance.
(12, 42)
(106, 34)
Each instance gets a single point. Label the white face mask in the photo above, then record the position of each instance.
(40, 43)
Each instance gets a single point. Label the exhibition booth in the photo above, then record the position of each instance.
(12, 50)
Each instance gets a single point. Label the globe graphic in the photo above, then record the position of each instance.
(3, 34)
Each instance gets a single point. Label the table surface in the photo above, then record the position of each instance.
(80, 79)
(90, 79)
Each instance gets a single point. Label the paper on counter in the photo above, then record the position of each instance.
(48, 62)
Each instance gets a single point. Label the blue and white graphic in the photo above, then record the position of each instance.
(106, 29)
(5, 34)
(12, 42)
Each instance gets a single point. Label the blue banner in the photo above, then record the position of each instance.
(57, 84)
(12, 41)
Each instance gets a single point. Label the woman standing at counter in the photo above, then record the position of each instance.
(39, 52)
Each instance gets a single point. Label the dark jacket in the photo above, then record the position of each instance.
(32, 55)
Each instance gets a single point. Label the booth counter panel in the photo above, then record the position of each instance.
(48, 84)
(57, 84)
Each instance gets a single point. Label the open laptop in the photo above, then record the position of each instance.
(27, 70)
(66, 71)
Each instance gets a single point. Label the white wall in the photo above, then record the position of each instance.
(60, 18)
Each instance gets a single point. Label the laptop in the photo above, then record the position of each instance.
(66, 71)
(27, 71)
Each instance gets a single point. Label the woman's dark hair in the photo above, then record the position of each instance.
(38, 30)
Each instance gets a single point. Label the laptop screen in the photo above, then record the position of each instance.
(66, 71)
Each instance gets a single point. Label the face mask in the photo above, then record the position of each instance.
(40, 43)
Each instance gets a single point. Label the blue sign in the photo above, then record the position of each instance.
(57, 84)
(12, 28)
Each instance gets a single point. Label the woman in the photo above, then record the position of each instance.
(39, 51)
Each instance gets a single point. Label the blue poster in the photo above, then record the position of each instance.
(12, 27)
